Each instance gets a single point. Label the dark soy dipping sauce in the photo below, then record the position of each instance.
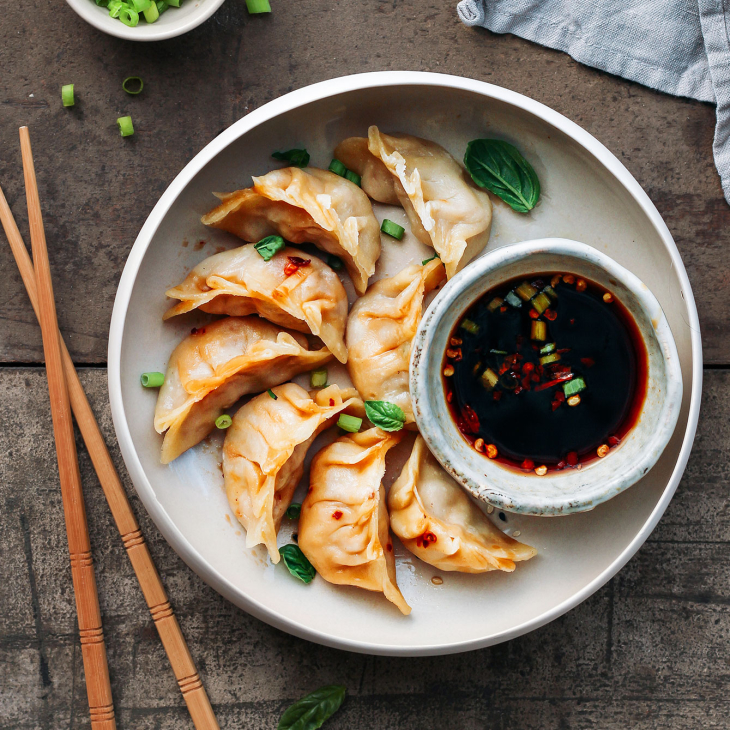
(526, 414)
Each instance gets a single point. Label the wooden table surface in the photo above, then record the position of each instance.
(649, 650)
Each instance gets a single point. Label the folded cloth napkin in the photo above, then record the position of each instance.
(680, 47)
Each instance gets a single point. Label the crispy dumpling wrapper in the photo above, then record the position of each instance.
(343, 212)
(306, 298)
(436, 520)
(380, 330)
(264, 450)
(343, 527)
(455, 217)
(223, 361)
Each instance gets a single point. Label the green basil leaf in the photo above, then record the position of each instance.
(268, 247)
(311, 711)
(385, 415)
(297, 563)
(294, 510)
(297, 158)
(500, 168)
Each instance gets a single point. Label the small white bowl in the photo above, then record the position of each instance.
(173, 22)
(571, 490)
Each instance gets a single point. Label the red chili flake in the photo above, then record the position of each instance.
(294, 263)
(555, 381)
(535, 347)
(535, 314)
(428, 538)
(528, 464)
(563, 350)
(572, 321)
(535, 378)
(337, 514)
(589, 362)
(497, 395)
(503, 368)
(526, 382)
(528, 367)
(560, 396)
(471, 419)
(332, 401)
(389, 548)
(518, 390)
(550, 314)
(555, 405)
(197, 331)
(561, 465)
(449, 396)
(614, 440)
(503, 309)
(572, 458)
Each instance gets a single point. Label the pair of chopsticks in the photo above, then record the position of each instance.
(65, 390)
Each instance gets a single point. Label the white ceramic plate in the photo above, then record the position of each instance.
(587, 195)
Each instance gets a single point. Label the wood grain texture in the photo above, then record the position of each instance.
(98, 686)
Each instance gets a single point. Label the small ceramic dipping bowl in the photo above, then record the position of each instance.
(569, 490)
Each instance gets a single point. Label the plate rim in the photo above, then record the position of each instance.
(285, 103)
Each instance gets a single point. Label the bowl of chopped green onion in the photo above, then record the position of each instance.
(145, 20)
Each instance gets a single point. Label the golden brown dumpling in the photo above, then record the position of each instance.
(380, 329)
(212, 368)
(343, 528)
(292, 290)
(437, 522)
(264, 450)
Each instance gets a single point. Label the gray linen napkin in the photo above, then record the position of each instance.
(680, 47)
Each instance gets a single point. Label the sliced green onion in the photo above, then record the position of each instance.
(353, 177)
(268, 247)
(152, 13)
(349, 423)
(513, 300)
(67, 95)
(392, 229)
(152, 380)
(223, 422)
(128, 16)
(272, 394)
(297, 158)
(428, 261)
(162, 5)
(131, 83)
(538, 330)
(526, 291)
(334, 262)
(470, 326)
(551, 292)
(126, 128)
(541, 302)
(552, 357)
(576, 385)
(258, 6)
(338, 168)
(499, 352)
(114, 7)
(489, 379)
(547, 349)
(294, 510)
(139, 5)
(495, 304)
(318, 378)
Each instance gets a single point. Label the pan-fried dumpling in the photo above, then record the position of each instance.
(264, 450)
(456, 216)
(437, 522)
(343, 527)
(303, 294)
(348, 226)
(216, 365)
(380, 329)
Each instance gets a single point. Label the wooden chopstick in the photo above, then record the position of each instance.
(98, 687)
(171, 635)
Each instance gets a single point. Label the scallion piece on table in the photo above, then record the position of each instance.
(268, 247)
(551, 358)
(67, 95)
(115, 7)
(576, 385)
(334, 262)
(126, 128)
(551, 293)
(223, 422)
(392, 229)
(469, 326)
(338, 168)
(129, 17)
(133, 84)
(258, 6)
(547, 349)
(162, 5)
(538, 331)
(318, 378)
(489, 379)
(541, 302)
(152, 13)
(495, 304)
(152, 380)
(349, 423)
(353, 177)
(272, 394)
(526, 291)
(513, 300)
